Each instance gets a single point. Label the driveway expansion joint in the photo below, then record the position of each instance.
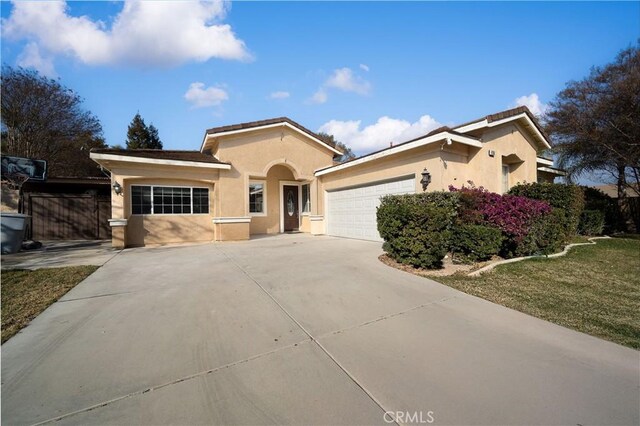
(167, 384)
(389, 316)
(305, 331)
(96, 296)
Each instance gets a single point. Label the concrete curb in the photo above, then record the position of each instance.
(518, 259)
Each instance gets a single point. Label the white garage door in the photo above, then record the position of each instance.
(351, 212)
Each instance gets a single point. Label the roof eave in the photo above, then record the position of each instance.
(443, 136)
(286, 124)
(99, 158)
(552, 170)
(486, 123)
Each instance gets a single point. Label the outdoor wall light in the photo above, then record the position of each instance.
(117, 188)
(426, 179)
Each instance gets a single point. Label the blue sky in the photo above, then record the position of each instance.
(369, 72)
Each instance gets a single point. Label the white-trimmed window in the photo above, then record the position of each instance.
(150, 199)
(258, 198)
(306, 198)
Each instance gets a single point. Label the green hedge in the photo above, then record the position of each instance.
(595, 199)
(591, 222)
(473, 243)
(546, 236)
(569, 198)
(417, 228)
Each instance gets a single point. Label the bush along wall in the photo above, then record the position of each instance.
(473, 243)
(475, 224)
(591, 222)
(417, 228)
(597, 200)
(513, 215)
(569, 198)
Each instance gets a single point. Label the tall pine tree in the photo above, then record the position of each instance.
(141, 136)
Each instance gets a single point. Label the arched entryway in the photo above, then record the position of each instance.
(275, 201)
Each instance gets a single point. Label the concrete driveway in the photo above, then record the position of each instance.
(61, 253)
(297, 329)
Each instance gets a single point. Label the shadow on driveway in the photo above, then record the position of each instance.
(57, 254)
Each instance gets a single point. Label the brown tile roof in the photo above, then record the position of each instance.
(509, 113)
(195, 156)
(444, 129)
(253, 124)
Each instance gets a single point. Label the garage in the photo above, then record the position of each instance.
(68, 208)
(351, 212)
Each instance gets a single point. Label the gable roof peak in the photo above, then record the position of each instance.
(250, 125)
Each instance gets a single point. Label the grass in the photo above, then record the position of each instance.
(25, 294)
(594, 289)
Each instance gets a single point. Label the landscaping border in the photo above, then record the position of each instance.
(490, 266)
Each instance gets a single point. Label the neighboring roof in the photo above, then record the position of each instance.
(612, 190)
(513, 113)
(158, 156)
(72, 179)
(92, 180)
(442, 133)
(271, 122)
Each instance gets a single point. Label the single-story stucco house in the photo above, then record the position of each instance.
(274, 176)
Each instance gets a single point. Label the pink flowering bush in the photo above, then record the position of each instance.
(514, 215)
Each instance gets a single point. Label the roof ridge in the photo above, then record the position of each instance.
(253, 123)
(144, 150)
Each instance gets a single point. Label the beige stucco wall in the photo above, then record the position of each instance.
(270, 222)
(508, 141)
(161, 228)
(252, 155)
(454, 164)
(281, 154)
(231, 231)
(447, 165)
(274, 155)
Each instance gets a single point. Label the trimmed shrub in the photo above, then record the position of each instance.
(595, 199)
(513, 215)
(591, 222)
(546, 235)
(473, 243)
(570, 198)
(416, 228)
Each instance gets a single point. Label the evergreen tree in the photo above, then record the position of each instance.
(154, 139)
(141, 136)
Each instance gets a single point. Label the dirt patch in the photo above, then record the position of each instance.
(448, 267)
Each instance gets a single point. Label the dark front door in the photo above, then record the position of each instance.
(290, 208)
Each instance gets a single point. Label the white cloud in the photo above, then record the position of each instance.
(319, 97)
(344, 79)
(533, 102)
(32, 58)
(200, 96)
(144, 33)
(279, 95)
(380, 134)
(364, 67)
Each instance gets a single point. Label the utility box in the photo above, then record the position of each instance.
(13, 226)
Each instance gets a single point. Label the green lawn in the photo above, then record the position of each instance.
(25, 294)
(594, 289)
